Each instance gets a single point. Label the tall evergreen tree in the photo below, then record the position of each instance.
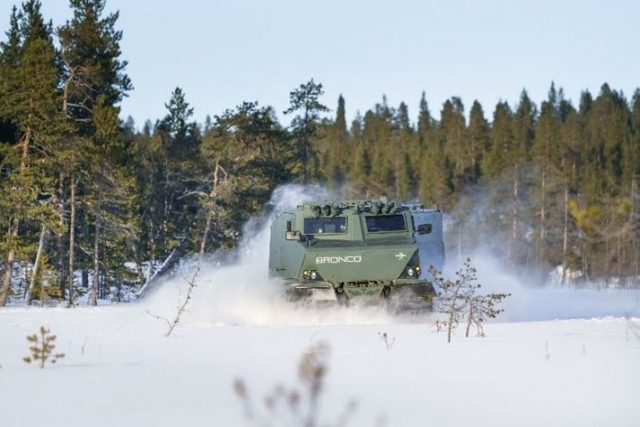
(406, 149)
(436, 184)
(182, 170)
(93, 73)
(464, 231)
(501, 148)
(427, 136)
(251, 150)
(546, 158)
(30, 103)
(360, 164)
(336, 147)
(452, 135)
(633, 153)
(378, 134)
(305, 125)
(426, 123)
(436, 173)
(571, 141)
(498, 172)
(608, 132)
(477, 141)
(91, 57)
(524, 132)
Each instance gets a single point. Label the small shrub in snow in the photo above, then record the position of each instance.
(461, 302)
(482, 307)
(453, 295)
(42, 348)
(385, 339)
(293, 407)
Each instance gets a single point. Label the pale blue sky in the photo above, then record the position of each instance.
(223, 52)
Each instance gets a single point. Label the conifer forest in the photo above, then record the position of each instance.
(87, 198)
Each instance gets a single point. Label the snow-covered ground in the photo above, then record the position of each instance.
(120, 370)
(553, 358)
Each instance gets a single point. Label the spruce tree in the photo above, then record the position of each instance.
(436, 178)
(452, 136)
(108, 188)
(633, 154)
(426, 123)
(30, 103)
(497, 173)
(252, 151)
(336, 147)
(360, 163)
(406, 147)
(91, 57)
(477, 141)
(178, 173)
(545, 161)
(427, 137)
(94, 77)
(305, 126)
(379, 135)
(571, 140)
(464, 230)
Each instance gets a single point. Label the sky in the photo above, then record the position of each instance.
(224, 52)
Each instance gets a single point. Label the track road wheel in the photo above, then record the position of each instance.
(341, 296)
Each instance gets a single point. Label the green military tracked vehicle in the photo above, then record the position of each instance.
(346, 250)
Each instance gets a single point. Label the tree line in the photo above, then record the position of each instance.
(84, 191)
(547, 186)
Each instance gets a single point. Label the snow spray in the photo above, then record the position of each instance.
(235, 289)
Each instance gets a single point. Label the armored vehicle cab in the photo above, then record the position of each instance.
(341, 250)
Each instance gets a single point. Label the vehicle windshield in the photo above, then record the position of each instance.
(385, 223)
(325, 225)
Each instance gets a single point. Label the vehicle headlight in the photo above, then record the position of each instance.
(310, 275)
(412, 271)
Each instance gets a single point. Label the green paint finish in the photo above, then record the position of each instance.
(358, 248)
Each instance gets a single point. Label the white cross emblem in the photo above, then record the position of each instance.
(400, 256)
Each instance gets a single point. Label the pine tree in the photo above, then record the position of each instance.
(406, 147)
(609, 132)
(464, 230)
(452, 135)
(633, 153)
(478, 142)
(107, 144)
(496, 162)
(91, 57)
(360, 163)
(306, 125)
(94, 77)
(429, 167)
(571, 140)
(436, 177)
(336, 147)
(497, 173)
(426, 123)
(251, 149)
(176, 175)
(30, 103)
(543, 144)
